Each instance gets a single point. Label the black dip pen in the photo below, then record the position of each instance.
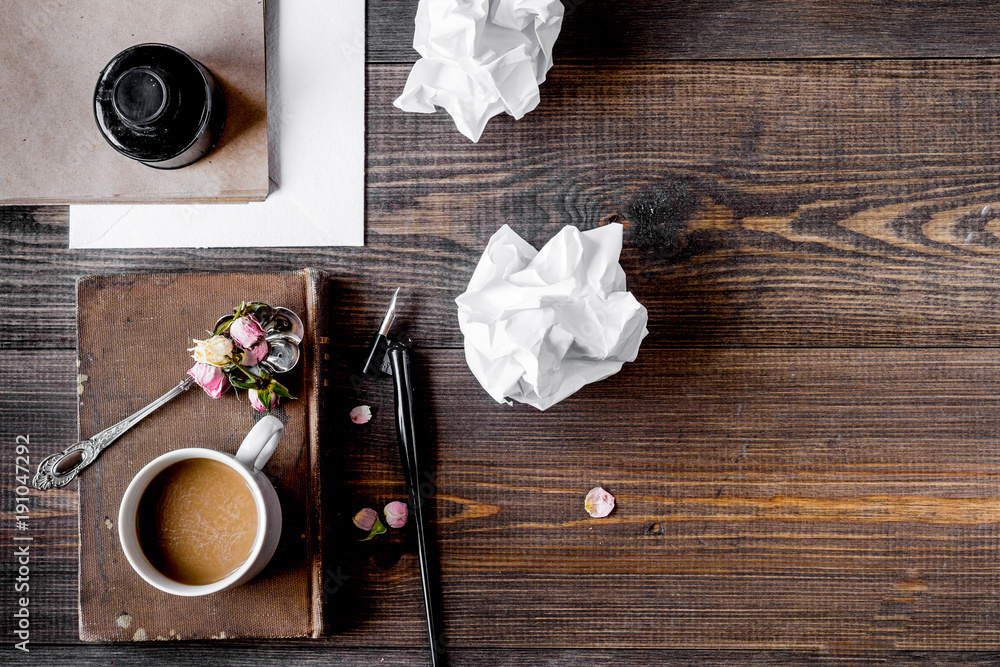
(392, 357)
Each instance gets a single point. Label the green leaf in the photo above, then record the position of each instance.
(242, 383)
(264, 396)
(280, 390)
(223, 326)
(377, 529)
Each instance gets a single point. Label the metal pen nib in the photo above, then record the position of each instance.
(390, 315)
(377, 362)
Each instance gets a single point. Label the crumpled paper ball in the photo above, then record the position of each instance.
(540, 324)
(480, 58)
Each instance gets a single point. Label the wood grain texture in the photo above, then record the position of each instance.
(863, 214)
(316, 654)
(772, 494)
(816, 500)
(737, 29)
(794, 203)
(38, 400)
(826, 501)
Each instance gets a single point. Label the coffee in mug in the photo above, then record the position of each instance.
(197, 521)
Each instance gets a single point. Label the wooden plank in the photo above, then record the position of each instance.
(38, 402)
(864, 214)
(818, 500)
(828, 501)
(301, 654)
(739, 29)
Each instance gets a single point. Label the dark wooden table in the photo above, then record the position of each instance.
(805, 453)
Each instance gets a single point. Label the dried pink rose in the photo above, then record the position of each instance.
(210, 378)
(258, 404)
(255, 353)
(246, 331)
(361, 414)
(599, 503)
(366, 518)
(395, 514)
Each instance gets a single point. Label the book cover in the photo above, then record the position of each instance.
(134, 335)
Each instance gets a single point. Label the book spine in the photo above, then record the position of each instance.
(316, 295)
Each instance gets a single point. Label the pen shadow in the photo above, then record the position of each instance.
(345, 458)
(427, 438)
(368, 583)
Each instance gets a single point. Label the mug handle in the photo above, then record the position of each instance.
(260, 442)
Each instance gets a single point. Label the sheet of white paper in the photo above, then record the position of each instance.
(316, 112)
(480, 57)
(539, 325)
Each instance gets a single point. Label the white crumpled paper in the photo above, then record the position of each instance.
(540, 324)
(480, 57)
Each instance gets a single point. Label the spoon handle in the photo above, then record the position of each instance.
(62, 468)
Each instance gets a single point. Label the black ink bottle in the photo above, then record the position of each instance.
(156, 104)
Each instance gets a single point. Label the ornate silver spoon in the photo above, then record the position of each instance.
(62, 468)
(284, 332)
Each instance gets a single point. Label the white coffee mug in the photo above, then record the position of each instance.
(253, 453)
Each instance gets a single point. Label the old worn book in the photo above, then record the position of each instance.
(52, 55)
(134, 332)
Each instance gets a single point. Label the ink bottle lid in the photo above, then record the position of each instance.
(156, 104)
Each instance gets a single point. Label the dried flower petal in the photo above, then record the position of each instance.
(366, 518)
(255, 354)
(377, 529)
(599, 503)
(217, 351)
(210, 378)
(396, 514)
(246, 331)
(361, 414)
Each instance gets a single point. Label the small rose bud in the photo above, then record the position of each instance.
(366, 518)
(258, 404)
(395, 514)
(361, 414)
(210, 378)
(599, 503)
(246, 331)
(217, 351)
